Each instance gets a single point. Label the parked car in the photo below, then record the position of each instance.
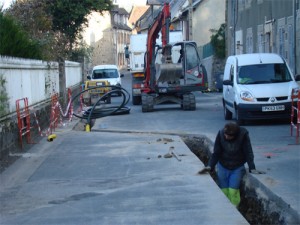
(257, 86)
(108, 73)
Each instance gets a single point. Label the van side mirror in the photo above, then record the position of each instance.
(122, 75)
(228, 82)
(297, 77)
(88, 77)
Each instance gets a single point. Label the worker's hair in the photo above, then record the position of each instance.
(231, 129)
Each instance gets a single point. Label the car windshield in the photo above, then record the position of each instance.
(263, 73)
(105, 73)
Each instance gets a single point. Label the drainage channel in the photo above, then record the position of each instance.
(257, 207)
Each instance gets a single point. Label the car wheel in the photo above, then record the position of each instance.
(238, 118)
(227, 113)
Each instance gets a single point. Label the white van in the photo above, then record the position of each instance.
(108, 73)
(257, 86)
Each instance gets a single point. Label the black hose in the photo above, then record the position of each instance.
(95, 113)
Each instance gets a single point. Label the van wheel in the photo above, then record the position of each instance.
(136, 100)
(227, 113)
(237, 117)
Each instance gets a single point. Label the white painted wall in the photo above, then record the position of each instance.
(37, 80)
(73, 73)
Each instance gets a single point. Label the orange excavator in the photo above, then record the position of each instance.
(173, 70)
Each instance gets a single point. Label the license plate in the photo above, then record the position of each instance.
(273, 108)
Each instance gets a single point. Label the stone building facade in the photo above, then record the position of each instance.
(107, 35)
(265, 26)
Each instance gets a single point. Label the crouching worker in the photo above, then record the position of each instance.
(232, 149)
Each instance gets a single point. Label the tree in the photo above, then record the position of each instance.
(31, 16)
(14, 41)
(56, 24)
(70, 16)
(217, 39)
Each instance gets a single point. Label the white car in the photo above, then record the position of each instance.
(108, 73)
(257, 86)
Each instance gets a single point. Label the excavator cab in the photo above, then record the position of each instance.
(181, 67)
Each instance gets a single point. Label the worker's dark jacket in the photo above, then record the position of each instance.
(234, 153)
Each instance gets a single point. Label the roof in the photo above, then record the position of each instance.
(157, 2)
(120, 11)
(136, 13)
(175, 9)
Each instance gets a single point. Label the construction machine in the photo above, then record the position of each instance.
(137, 50)
(170, 76)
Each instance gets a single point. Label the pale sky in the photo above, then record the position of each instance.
(122, 3)
(5, 3)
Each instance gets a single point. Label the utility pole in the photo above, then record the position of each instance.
(190, 19)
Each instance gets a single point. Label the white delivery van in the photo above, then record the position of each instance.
(257, 86)
(108, 73)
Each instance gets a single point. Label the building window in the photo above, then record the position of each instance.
(267, 42)
(281, 41)
(249, 41)
(260, 38)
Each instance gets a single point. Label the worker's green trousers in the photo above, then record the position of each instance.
(229, 182)
(233, 195)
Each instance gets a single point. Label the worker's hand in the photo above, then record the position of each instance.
(205, 170)
(257, 172)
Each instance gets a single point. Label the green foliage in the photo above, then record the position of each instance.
(80, 52)
(217, 39)
(56, 25)
(31, 16)
(14, 41)
(70, 16)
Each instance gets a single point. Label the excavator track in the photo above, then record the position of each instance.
(147, 103)
(188, 102)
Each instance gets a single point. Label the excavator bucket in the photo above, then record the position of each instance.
(169, 73)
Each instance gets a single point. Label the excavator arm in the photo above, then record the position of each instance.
(161, 23)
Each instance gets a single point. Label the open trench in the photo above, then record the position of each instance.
(257, 206)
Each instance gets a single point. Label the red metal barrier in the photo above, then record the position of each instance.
(56, 115)
(23, 116)
(295, 113)
(70, 105)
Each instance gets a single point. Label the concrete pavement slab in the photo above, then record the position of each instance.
(111, 178)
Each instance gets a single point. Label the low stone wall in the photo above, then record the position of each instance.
(9, 132)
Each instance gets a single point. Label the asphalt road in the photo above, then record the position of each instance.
(207, 119)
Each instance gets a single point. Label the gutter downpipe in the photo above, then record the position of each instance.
(295, 34)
